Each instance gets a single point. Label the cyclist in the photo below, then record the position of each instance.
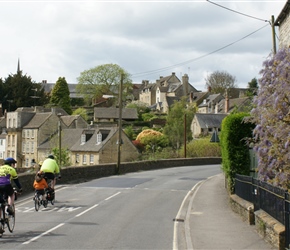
(50, 169)
(8, 173)
(40, 184)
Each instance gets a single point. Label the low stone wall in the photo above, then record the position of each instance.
(77, 174)
(270, 229)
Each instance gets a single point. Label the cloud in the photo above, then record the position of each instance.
(61, 38)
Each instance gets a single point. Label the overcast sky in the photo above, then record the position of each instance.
(148, 39)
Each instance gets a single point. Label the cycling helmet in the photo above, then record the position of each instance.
(40, 173)
(50, 157)
(9, 160)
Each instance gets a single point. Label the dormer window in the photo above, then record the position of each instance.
(99, 138)
(83, 139)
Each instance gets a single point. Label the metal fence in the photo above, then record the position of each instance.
(273, 200)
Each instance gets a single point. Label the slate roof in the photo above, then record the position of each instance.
(91, 144)
(283, 14)
(71, 139)
(108, 113)
(236, 102)
(215, 98)
(209, 120)
(37, 120)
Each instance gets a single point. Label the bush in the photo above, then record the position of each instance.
(234, 148)
(202, 148)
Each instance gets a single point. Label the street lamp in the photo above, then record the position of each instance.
(59, 138)
(119, 142)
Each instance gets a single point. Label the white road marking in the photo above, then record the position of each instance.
(112, 196)
(46, 232)
(61, 224)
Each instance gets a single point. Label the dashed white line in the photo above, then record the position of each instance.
(46, 232)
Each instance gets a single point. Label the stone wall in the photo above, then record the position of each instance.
(77, 174)
(267, 227)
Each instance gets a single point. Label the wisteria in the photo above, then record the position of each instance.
(272, 118)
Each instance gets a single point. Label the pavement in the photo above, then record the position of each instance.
(213, 224)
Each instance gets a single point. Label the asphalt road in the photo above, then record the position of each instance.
(132, 211)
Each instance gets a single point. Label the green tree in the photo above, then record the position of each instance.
(20, 91)
(104, 80)
(142, 108)
(60, 95)
(174, 128)
(252, 87)
(220, 82)
(82, 112)
(272, 119)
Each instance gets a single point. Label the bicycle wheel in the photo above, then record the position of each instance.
(10, 220)
(36, 202)
(2, 220)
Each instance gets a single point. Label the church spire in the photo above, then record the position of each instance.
(18, 66)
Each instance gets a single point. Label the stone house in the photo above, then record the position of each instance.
(283, 22)
(159, 95)
(92, 146)
(205, 124)
(41, 127)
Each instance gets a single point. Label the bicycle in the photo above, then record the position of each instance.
(50, 194)
(6, 219)
(38, 201)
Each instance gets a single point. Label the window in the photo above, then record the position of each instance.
(23, 133)
(91, 158)
(26, 162)
(23, 147)
(14, 123)
(32, 133)
(99, 138)
(27, 133)
(9, 142)
(77, 158)
(1, 142)
(84, 159)
(27, 147)
(83, 139)
(13, 140)
(32, 147)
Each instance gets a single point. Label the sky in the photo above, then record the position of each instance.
(148, 39)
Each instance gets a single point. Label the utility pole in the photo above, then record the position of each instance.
(184, 135)
(273, 34)
(119, 142)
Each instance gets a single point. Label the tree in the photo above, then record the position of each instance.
(252, 87)
(142, 108)
(104, 80)
(152, 139)
(220, 81)
(20, 91)
(174, 128)
(60, 95)
(82, 112)
(271, 117)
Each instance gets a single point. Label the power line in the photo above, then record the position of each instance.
(197, 58)
(237, 12)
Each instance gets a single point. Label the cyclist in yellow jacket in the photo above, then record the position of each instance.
(50, 169)
(8, 173)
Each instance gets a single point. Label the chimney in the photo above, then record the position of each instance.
(209, 89)
(216, 108)
(227, 103)
(191, 97)
(185, 84)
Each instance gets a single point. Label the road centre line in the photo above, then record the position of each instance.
(87, 210)
(46, 232)
(61, 224)
(112, 196)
